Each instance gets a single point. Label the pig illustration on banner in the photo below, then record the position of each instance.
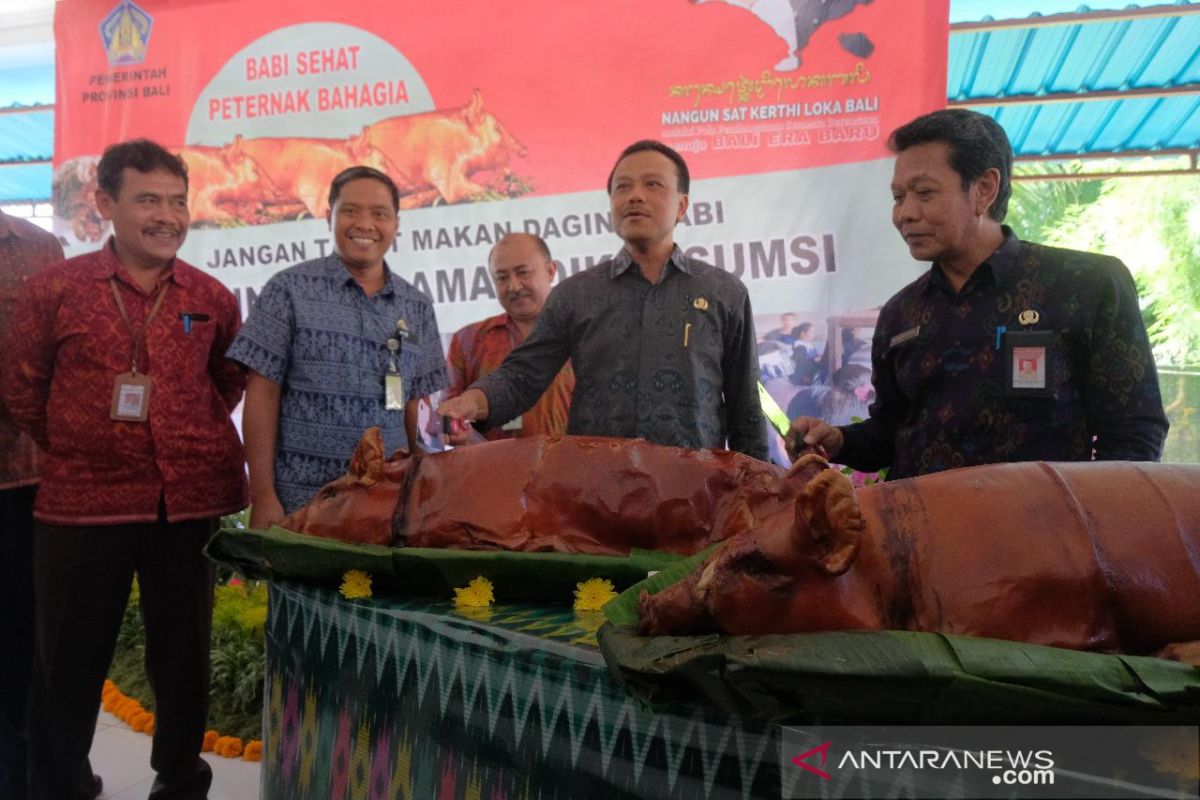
(222, 191)
(302, 169)
(435, 154)
(1090, 556)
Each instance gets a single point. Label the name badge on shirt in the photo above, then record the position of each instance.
(905, 336)
(393, 392)
(513, 424)
(131, 397)
(1026, 357)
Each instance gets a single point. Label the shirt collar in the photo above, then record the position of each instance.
(336, 270)
(498, 321)
(111, 267)
(999, 266)
(623, 260)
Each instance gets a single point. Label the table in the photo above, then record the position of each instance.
(404, 698)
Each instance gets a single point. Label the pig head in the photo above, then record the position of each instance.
(358, 506)
(570, 494)
(1090, 556)
(434, 154)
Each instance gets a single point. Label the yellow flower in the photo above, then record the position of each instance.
(593, 594)
(477, 594)
(356, 584)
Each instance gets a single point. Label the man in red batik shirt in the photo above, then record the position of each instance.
(24, 249)
(523, 272)
(117, 368)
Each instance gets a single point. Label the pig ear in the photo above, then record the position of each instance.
(475, 107)
(828, 506)
(806, 468)
(367, 461)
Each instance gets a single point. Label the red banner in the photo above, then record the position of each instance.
(496, 117)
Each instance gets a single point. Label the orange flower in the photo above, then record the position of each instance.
(228, 746)
(141, 721)
(210, 741)
(253, 751)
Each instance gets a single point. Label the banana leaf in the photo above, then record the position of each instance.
(897, 677)
(282, 554)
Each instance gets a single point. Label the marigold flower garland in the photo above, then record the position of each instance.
(130, 711)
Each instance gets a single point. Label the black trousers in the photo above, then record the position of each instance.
(16, 604)
(82, 578)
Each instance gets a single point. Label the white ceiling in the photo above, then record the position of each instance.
(26, 33)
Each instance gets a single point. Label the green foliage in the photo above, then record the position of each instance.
(1153, 225)
(236, 682)
(1040, 210)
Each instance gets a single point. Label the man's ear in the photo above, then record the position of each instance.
(104, 204)
(828, 506)
(985, 189)
(367, 462)
(683, 207)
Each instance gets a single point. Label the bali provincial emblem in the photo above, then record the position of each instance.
(126, 33)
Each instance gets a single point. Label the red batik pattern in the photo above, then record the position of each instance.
(68, 345)
(479, 348)
(24, 249)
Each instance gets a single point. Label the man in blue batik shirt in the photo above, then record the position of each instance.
(335, 346)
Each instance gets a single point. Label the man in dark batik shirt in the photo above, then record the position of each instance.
(662, 345)
(1005, 350)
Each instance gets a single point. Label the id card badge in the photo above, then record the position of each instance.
(131, 397)
(393, 392)
(1027, 363)
(513, 425)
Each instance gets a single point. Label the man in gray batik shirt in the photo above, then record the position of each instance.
(663, 345)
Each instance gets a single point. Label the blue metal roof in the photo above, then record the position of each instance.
(1111, 79)
(1085, 83)
(25, 183)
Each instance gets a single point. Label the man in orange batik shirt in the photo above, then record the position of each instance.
(523, 272)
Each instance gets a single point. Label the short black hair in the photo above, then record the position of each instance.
(357, 173)
(977, 143)
(685, 179)
(141, 155)
(803, 328)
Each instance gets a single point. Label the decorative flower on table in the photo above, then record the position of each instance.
(356, 584)
(593, 594)
(476, 594)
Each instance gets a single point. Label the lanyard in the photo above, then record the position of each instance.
(140, 333)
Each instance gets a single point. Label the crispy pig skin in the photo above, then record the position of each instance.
(568, 494)
(1091, 556)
